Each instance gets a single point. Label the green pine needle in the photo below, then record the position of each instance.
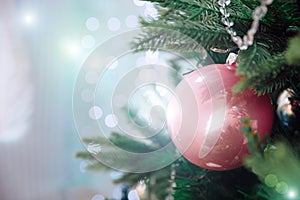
(193, 27)
(277, 166)
(250, 60)
(265, 77)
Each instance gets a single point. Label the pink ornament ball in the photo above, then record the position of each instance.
(204, 117)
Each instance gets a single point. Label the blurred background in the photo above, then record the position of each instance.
(42, 47)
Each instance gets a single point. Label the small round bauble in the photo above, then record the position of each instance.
(288, 109)
(204, 117)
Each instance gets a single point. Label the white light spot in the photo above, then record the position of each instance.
(91, 77)
(87, 95)
(94, 148)
(292, 194)
(200, 79)
(98, 197)
(132, 21)
(139, 2)
(92, 24)
(213, 165)
(113, 24)
(111, 121)
(95, 112)
(133, 195)
(88, 41)
(236, 158)
(29, 18)
(72, 49)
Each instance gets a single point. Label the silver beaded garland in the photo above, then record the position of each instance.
(258, 13)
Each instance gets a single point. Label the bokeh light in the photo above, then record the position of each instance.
(271, 180)
(98, 197)
(92, 24)
(292, 194)
(29, 18)
(133, 195)
(72, 48)
(282, 187)
(132, 21)
(114, 24)
(111, 121)
(95, 112)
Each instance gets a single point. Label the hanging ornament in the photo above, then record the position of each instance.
(204, 119)
(288, 109)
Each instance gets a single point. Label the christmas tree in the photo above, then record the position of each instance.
(268, 62)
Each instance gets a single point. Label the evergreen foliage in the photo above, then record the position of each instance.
(200, 20)
(270, 65)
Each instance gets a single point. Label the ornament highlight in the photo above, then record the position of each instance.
(204, 119)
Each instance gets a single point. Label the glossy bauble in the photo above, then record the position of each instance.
(204, 118)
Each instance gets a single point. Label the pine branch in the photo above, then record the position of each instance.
(269, 73)
(271, 164)
(97, 166)
(182, 36)
(132, 145)
(189, 9)
(283, 13)
(250, 60)
(199, 20)
(266, 77)
(157, 182)
(263, 68)
(193, 182)
(84, 155)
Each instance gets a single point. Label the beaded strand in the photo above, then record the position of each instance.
(258, 13)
